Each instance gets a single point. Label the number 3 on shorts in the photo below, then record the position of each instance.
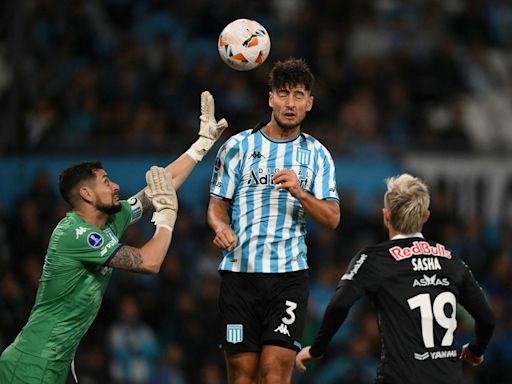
(290, 307)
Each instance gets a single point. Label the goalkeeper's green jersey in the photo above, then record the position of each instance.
(71, 288)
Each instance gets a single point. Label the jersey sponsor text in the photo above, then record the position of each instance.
(350, 275)
(433, 280)
(419, 248)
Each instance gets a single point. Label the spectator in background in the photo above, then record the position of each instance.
(133, 345)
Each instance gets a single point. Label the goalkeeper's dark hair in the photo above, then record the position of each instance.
(72, 176)
(291, 72)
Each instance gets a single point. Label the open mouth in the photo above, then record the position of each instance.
(289, 115)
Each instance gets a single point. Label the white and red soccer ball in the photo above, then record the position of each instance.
(244, 44)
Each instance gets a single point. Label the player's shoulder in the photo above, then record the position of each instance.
(314, 143)
(239, 137)
(71, 229)
(233, 143)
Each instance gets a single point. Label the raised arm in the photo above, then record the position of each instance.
(209, 132)
(148, 259)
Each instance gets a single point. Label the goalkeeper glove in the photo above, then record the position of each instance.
(209, 129)
(162, 194)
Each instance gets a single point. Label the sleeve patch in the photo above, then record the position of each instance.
(357, 265)
(136, 209)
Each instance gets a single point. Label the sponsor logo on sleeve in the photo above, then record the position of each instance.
(95, 240)
(358, 264)
(218, 164)
(80, 231)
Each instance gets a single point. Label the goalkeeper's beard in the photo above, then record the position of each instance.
(108, 209)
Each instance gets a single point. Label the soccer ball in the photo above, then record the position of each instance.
(244, 44)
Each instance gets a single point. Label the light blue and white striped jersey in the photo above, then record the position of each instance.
(269, 223)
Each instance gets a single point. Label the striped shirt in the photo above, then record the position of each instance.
(269, 223)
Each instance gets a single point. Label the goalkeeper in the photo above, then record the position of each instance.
(83, 249)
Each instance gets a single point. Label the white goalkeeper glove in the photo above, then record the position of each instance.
(162, 194)
(209, 129)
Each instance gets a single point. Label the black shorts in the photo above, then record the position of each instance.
(259, 309)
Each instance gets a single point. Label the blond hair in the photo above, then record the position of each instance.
(407, 200)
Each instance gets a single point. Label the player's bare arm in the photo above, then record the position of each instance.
(146, 259)
(162, 195)
(323, 212)
(218, 220)
(127, 258)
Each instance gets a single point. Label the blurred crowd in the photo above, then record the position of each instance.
(162, 329)
(124, 76)
(391, 75)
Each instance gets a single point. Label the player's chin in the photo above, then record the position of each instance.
(288, 125)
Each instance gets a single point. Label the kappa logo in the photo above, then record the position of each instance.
(282, 329)
(433, 280)
(95, 240)
(256, 155)
(80, 231)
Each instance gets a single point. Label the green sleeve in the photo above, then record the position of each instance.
(87, 244)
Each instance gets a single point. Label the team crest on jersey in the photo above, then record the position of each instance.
(95, 240)
(234, 333)
(303, 156)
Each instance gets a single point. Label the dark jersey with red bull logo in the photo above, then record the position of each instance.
(415, 285)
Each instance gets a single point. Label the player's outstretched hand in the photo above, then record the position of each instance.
(161, 192)
(304, 357)
(470, 357)
(209, 128)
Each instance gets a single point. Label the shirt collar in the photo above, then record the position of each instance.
(402, 236)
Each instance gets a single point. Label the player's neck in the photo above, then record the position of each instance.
(392, 232)
(92, 216)
(275, 132)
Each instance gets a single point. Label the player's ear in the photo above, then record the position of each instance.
(309, 104)
(270, 99)
(86, 194)
(426, 216)
(385, 217)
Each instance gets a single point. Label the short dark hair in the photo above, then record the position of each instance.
(70, 177)
(291, 72)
